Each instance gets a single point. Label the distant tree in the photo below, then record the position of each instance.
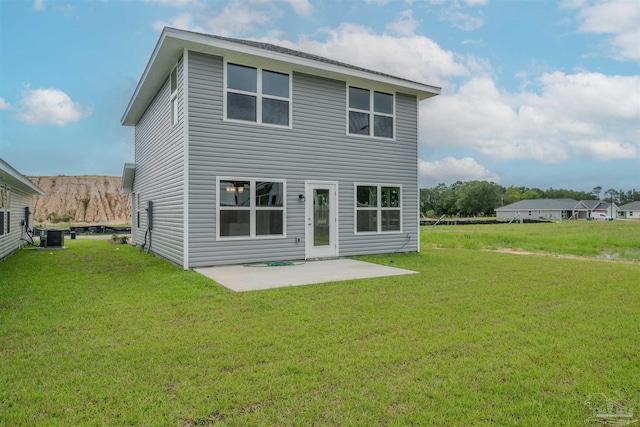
(552, 193)
(449, 199)
(530, 194)
(613, 195)
(482, 197)
(511, 195)
(596, 192)
(431, 199)
(478, 198)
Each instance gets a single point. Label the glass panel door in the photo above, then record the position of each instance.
(321, 214)
(321, 217)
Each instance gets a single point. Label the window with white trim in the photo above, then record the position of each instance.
(2, 209)
(5, 211)
(174, 95)
(250, 208)
(378, 208)
(137, 210)
(257, 95)
(370, 113)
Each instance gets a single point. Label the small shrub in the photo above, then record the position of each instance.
(119, 240)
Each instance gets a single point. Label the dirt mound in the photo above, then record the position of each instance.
(81, 199)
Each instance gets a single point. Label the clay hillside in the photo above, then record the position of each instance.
(81, 199)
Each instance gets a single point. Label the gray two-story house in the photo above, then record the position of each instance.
(250, 152)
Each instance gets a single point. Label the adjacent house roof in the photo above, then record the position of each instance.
(540, 205)
(556, 205)
(172, 43)
(13, 178)
(633, 206)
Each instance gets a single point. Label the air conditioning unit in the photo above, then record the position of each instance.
(52, 238)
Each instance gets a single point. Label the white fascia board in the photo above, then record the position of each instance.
(307, 63)
(13, 178)
(128, 175)
(173, 43)
(143, 79)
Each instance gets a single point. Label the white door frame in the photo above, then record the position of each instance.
(330, 250)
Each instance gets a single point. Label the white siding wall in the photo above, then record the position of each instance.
(11, 242)
(159, 151)
(317, 148)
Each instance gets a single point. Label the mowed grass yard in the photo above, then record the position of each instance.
(99, 334)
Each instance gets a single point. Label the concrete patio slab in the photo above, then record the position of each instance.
(240, 278)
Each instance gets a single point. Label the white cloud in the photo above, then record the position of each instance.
(617, 18)
(476, 2)
(50, 107)
(405, 25)
(413, 57)
(461, 20)
(236, 19)
(302, 7)
(38, 5)
(574, 115)
(183, 21)
(172, 3)
(450, 169)
(4, 105)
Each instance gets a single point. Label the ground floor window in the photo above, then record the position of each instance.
(378, 208)
(5, 212)
(250, 208)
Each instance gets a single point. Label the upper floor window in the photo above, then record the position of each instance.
(258, 95)
(174, 95)
(378, 208)
(371, 113)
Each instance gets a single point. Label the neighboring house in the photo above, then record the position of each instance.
(16, 207)
(556, 209)
(538, 209)
(249, 152)
(629, 211)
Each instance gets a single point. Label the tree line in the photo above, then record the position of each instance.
(481, 198)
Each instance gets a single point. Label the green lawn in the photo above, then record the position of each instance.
(602, 239)
(100, 334)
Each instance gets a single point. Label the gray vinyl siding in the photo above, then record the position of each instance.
(317, 148)
(11, 242)
(159, 158)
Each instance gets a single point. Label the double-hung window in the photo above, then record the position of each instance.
(174, 95)
(2, 208)
(137, 210)
(257, 95)
(249, 208)
(378, 208)
(371, 113)
(5, 211)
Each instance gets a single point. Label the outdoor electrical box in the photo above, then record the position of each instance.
(26, 217)
(150, 215)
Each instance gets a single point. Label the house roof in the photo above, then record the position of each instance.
(556, 204)
(540, 205)
(14, 179)
(633, 206)
(173, 42)
(128, 174)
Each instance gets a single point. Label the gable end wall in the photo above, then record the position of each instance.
(159, 176)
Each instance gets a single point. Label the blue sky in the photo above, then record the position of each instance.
(534, 93)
